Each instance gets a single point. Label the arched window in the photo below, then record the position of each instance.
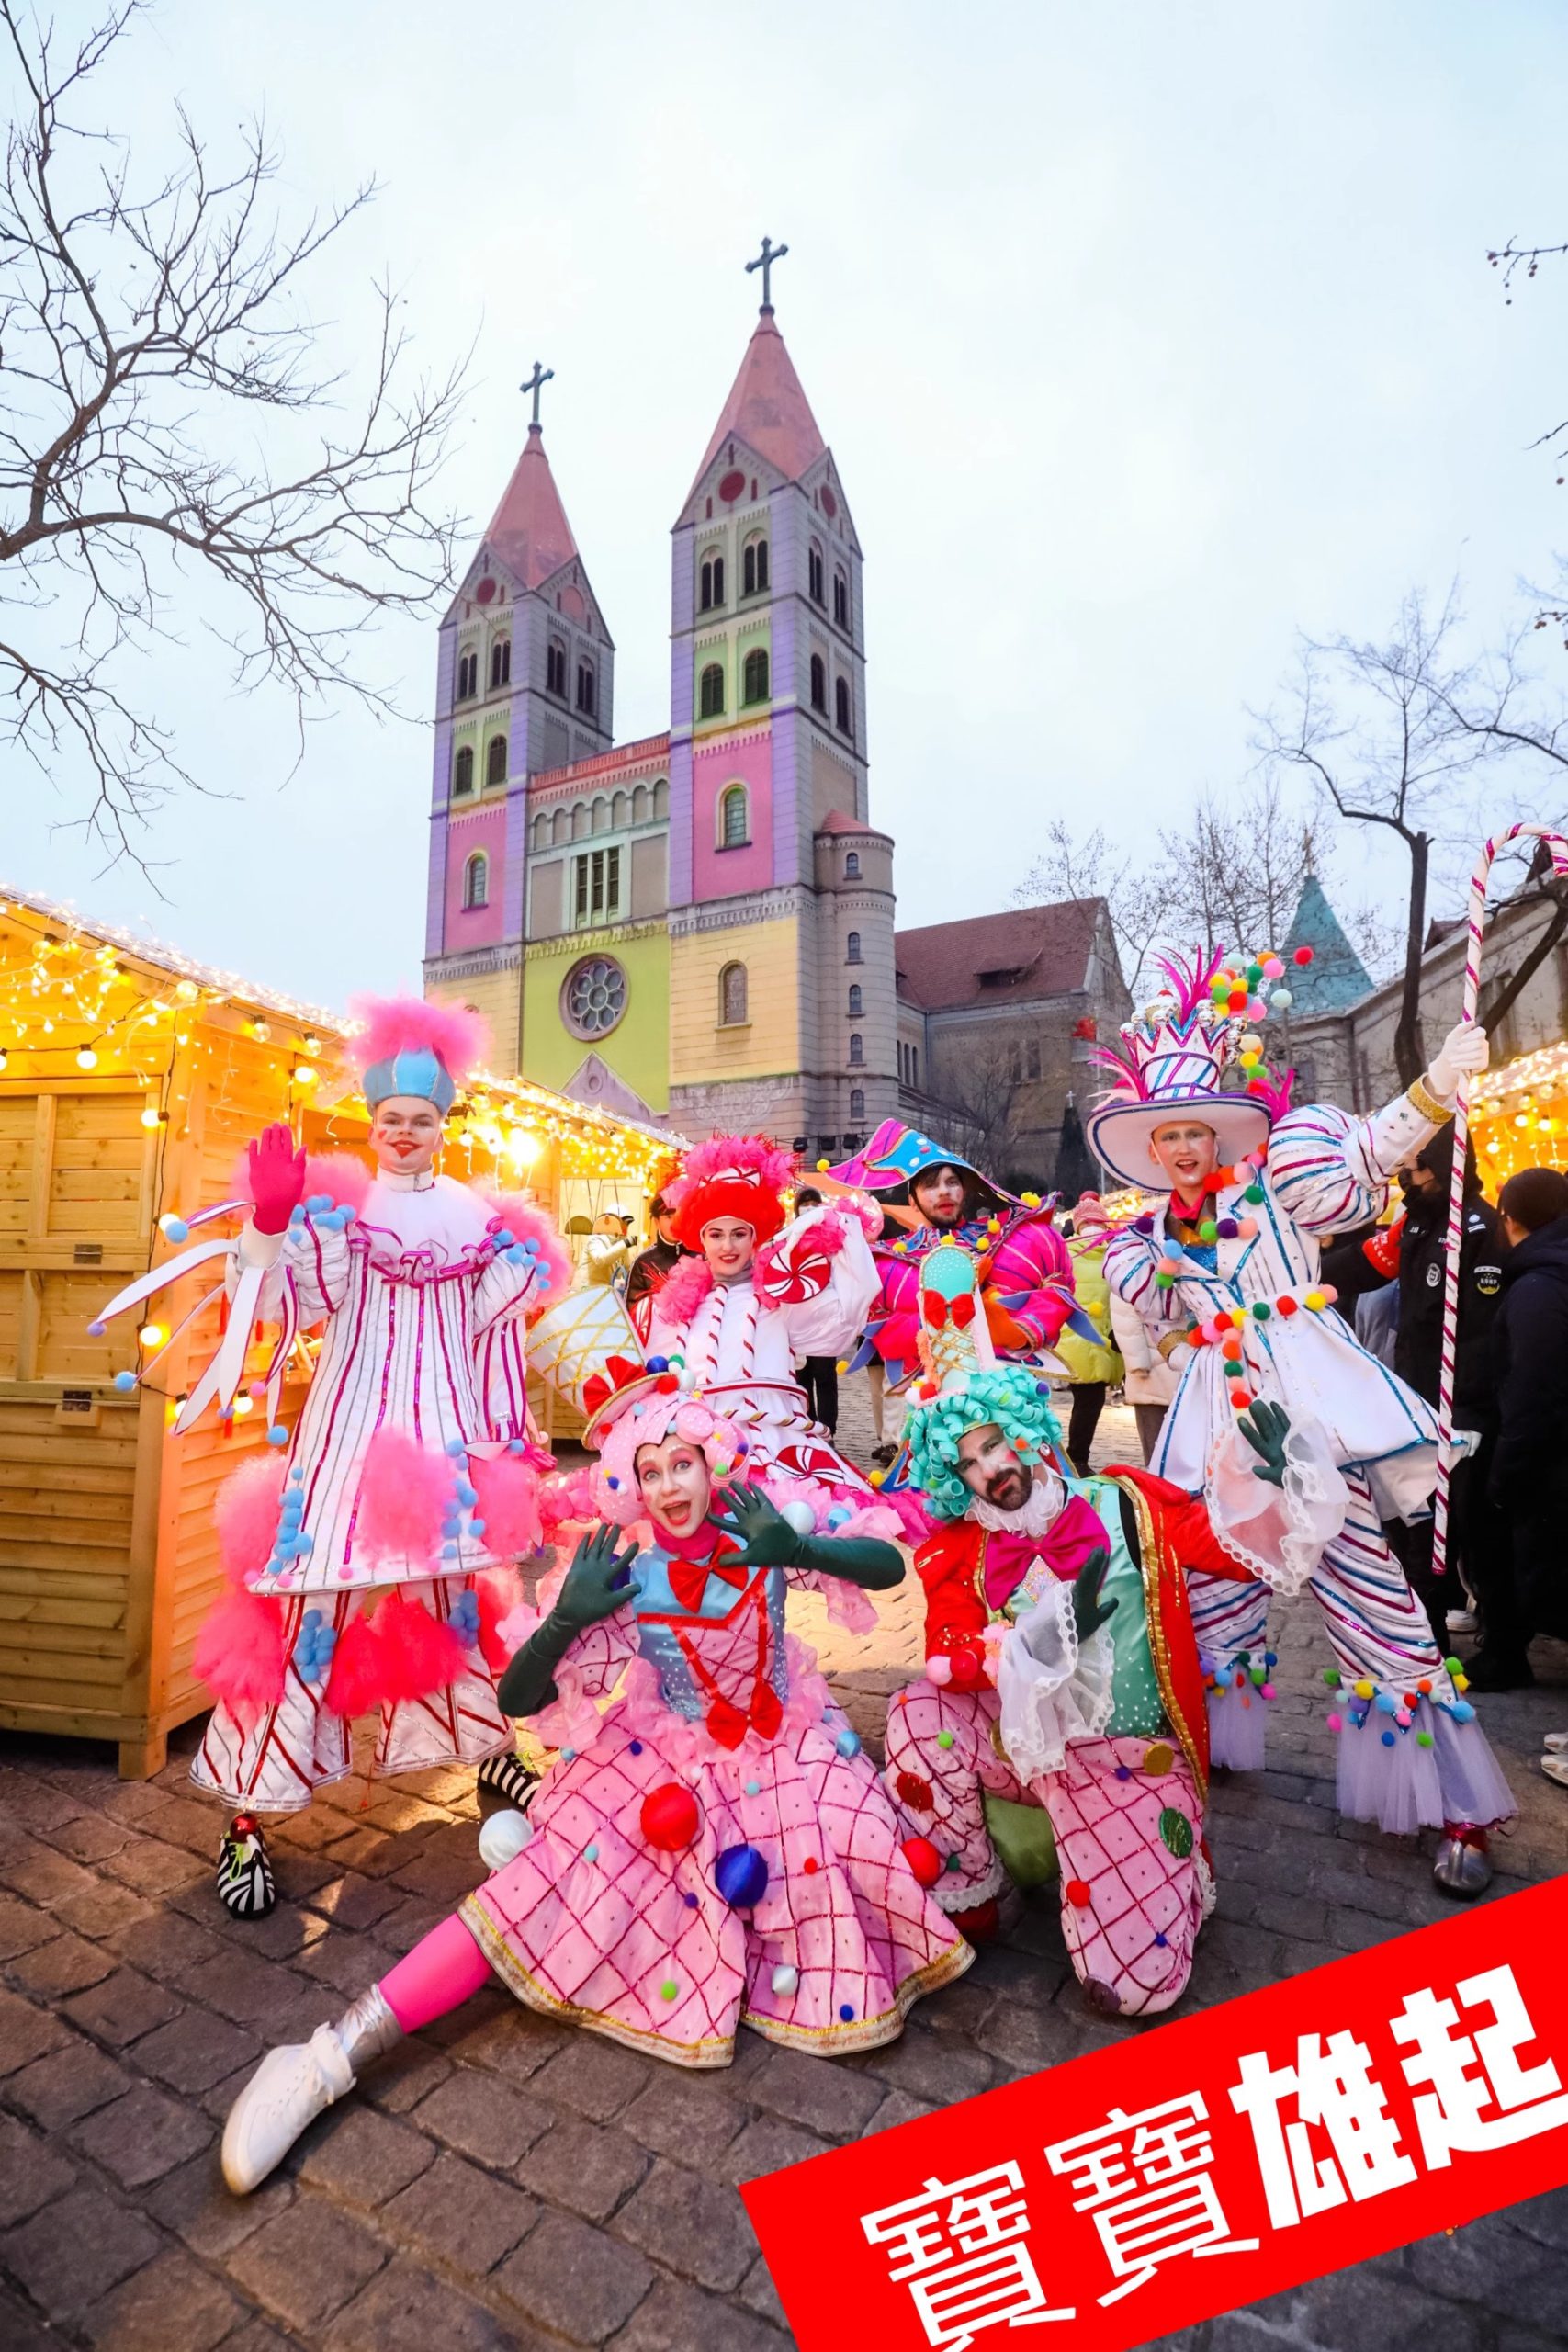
(555, 668)
(476, 880)
(599, 816)
(841, 717)
(463, 770)
(855, 1000)
(754, 677)
(585, 692)
(495, 760)
(852, 949)
(660, 799)
(857, 1046)
(560, 827)
(710, 692)
(499, 664)
(619, 809)
(733, 829)
(857, 1106)
(818, 684)
(841, 600)
(711, 582)
(467, 676)
(851, 866)
(639, 804)
(754, 568)
(814, 574)
(541, 831)
(732, 997)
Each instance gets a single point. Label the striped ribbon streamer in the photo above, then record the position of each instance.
(1558, 846)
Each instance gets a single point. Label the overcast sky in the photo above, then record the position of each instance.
(1143, 334)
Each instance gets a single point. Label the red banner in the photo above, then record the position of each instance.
(1203, 2163)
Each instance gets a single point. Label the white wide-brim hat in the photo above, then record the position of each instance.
(1121, 1133)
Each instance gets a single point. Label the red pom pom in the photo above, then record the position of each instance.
(923, 1860)
(1241, 1399)
(1077, 1893)
(914, 1792)
(1301, 956)
(965, 1669)
(670, 1817)
(666, 1383)
(1285, 1306)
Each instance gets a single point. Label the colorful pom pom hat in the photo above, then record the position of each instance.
(407, 1046)
(1171, 1062)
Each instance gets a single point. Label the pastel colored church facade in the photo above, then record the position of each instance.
(697, 925)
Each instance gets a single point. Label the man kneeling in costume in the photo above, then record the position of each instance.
(715, 1848)
(1061, 1676)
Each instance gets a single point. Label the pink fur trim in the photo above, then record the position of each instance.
(567, 1500)
(419, 1652)
(752, 1153)
(353, 1682)
(395, 1024)
(403, 1495)
(509, 1505)
(683, 1291)
(865, 1211)
(246, 1512)
(529, 1223)
(239, 1655)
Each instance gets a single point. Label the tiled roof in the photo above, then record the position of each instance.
(1013, 958)
(834, 822)
(767, 409)
(529, 531)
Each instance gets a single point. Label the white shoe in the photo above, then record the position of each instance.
(1556, 1768)
(288, 2090)
(1556, 1743)
(1462, 1621)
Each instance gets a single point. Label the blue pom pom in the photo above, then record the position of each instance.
(514, 1445)
(175, 1230)
(1388, 1739)
(277, 1434)
(742, 1445)
(303, 1543)
(124, 1381)
(847, 1742)
(636, 1747)
(96, 1330)
(1463, 1711)
(658, 1364)
(467, 1494)
(449, 1551)
(839, 1515)
(475, 1527)
(513, 1256)
(296, 1475)
(297, 1214)
(456, 1446)
(1385, 1702)
(612, 1482)
(317, 1202)
(846, 2012)
(740, 1875)
(505, 1238)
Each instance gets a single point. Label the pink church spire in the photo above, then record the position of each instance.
(767, 407)
(529, 531)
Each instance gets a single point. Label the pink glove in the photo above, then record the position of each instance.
(277, 1179)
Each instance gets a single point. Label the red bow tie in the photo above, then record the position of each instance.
(688, 1580)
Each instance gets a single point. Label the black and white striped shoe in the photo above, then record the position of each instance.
(507, 1781)
(244, 1873)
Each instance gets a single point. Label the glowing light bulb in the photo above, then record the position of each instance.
(303, 1075)
(153, 1335)
(243, 1404)
(87, 1059)
(151, 1116)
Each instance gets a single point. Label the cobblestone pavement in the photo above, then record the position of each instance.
(504, 2182)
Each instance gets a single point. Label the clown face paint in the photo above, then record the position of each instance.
(675, 1484)
(939, 1193)
(991, 1470)
(1187, 1151)
(405, 1135)
(729, 1246)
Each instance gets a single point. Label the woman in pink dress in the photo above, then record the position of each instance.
(714, 1849)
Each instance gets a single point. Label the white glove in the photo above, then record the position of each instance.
(1463, 1053)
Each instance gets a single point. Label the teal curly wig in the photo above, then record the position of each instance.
(1016, 1399)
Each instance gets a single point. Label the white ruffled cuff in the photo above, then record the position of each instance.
(1052, 1691)
(1279, 1533)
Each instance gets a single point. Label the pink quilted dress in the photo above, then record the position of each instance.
(714, 1849)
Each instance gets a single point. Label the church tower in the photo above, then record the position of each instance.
(525, 683)
(781, 1012)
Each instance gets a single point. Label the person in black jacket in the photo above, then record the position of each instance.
(651, 1268)
(1477, 1533)
(1530, 1463)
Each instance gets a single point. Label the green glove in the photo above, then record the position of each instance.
(1266, 1428)
(767, 1540)
(1089, 1611)
(594, 1587)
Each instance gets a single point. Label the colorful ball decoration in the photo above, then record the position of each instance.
(923, 1860)
(670, 1817)
(1302, 956)
(740, 1876)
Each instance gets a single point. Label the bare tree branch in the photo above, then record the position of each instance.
(141, 326)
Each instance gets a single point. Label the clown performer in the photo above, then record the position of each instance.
(1026, 1275)
(358, 1551)
(1227, 1273)
(713, 1849)
(1062, 1706)
(760, 1294)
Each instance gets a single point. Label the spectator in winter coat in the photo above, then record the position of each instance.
(1147, 1382)
(1530, 1463)
(1478, 1534)
(1093, 1365)
(650, 1270)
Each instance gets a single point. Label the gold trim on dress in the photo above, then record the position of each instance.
(1428, 1103)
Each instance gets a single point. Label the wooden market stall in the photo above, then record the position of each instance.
(131, 1079)
(1519, 1118)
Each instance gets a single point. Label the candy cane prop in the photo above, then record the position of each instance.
(1558, 845)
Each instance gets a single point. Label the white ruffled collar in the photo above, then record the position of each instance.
(1047, 1497)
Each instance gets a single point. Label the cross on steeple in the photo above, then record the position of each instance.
(536, 384)
(764, 262)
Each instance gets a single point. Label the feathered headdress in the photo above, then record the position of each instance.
(744, 1177)
(1173, 1056)
(408, 1045)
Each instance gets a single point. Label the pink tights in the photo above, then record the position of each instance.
(444, 1969)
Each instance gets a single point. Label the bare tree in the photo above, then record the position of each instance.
(985, 1099)
(1374, 727)
(148, 326)
(1091, 868)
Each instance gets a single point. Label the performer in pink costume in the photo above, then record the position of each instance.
(761, 1295)
(1026, 1273)
(1226, 1271)
(713, 1849)
(378, 1490)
